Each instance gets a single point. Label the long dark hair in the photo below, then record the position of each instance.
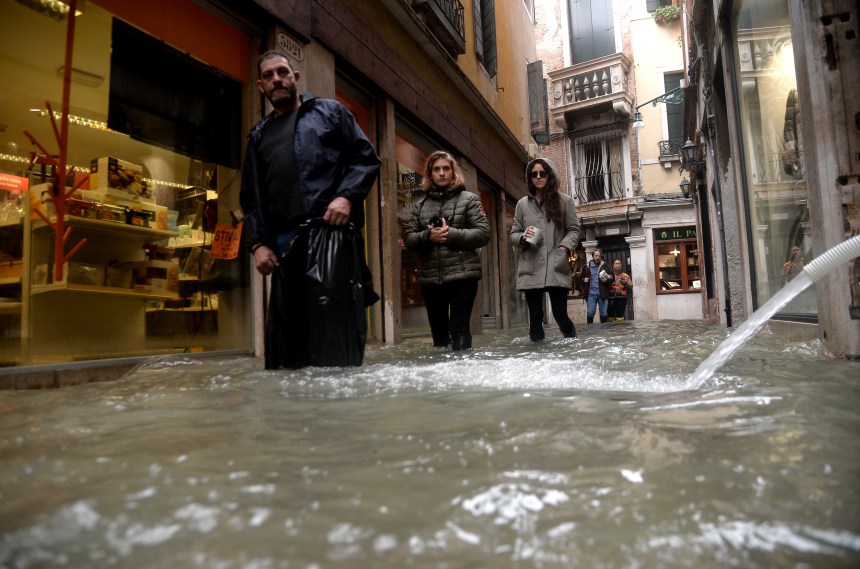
(551, 197)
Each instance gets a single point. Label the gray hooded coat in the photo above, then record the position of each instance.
(545, 264)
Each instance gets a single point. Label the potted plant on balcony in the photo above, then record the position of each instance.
(666, 14)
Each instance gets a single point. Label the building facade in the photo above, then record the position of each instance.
(419, 75)
(615, 72)
(775, 157)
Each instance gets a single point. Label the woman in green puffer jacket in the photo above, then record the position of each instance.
(447, 227)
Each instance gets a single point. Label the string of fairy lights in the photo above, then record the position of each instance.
(89, 123)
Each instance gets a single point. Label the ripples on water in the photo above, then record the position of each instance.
(568, 453)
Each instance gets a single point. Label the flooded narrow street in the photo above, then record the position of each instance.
(567, 453)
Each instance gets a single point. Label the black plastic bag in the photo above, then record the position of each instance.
(318, 300)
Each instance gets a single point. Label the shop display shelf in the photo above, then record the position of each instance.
(113, 228)
(10, 307)
(104, 290)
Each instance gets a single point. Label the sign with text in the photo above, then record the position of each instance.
(13, 183)
(675, 233)
(226, 240)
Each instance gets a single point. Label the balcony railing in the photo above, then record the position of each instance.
(446, 20)
(591, 87)
(599, 187)
(670, 149)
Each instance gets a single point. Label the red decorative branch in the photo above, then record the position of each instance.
(58, 192)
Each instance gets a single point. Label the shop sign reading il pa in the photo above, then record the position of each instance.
(675, 233)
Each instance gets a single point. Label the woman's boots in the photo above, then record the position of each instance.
(461, 343)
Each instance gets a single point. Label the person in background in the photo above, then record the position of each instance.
(546, 229)
(447, 228)
(307, 159)
(595, 286)
(620, 289)
(794, 264)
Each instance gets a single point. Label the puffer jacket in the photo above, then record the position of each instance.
(333, 156)
(469, 230)
(545, 264)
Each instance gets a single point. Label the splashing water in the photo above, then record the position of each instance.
(813, 272)
(564, 453)
(747, 330)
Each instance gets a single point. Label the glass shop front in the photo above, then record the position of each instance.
(143, 257)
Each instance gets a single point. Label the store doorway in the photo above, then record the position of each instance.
(618, 249)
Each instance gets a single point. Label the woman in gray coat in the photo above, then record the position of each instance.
(447, 228)
(546, 229)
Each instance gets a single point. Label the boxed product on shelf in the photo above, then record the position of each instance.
(11, 269)
(40, 201)
(81, 208)
(157, 275)
(110, 212)
(139, 217)
(120, 275)
(154, 216)
(74, 272)
(119, 178)
(84, 273)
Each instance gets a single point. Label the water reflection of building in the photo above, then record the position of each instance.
(776, 161)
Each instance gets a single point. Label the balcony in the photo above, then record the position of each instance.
(670, 150)
(589, 88)
(446, 20)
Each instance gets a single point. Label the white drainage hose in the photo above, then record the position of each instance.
(842, 253)
(814, 271)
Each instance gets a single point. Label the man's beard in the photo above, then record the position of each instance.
(282, 98)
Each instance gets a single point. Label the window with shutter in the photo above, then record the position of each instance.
(652, 5)
(488, 19)
(674, 113)
(592, 29)
(479, 30)
(538, 106)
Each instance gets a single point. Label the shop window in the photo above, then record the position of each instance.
(412, 148)
(159, 138)
(775, 186)
(578, 263)
(676, 258)
(169, 99)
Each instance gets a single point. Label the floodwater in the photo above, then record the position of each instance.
(568, 453)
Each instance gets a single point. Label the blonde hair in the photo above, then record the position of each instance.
(428, 166)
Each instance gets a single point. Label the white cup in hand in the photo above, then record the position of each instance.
(535, 238)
